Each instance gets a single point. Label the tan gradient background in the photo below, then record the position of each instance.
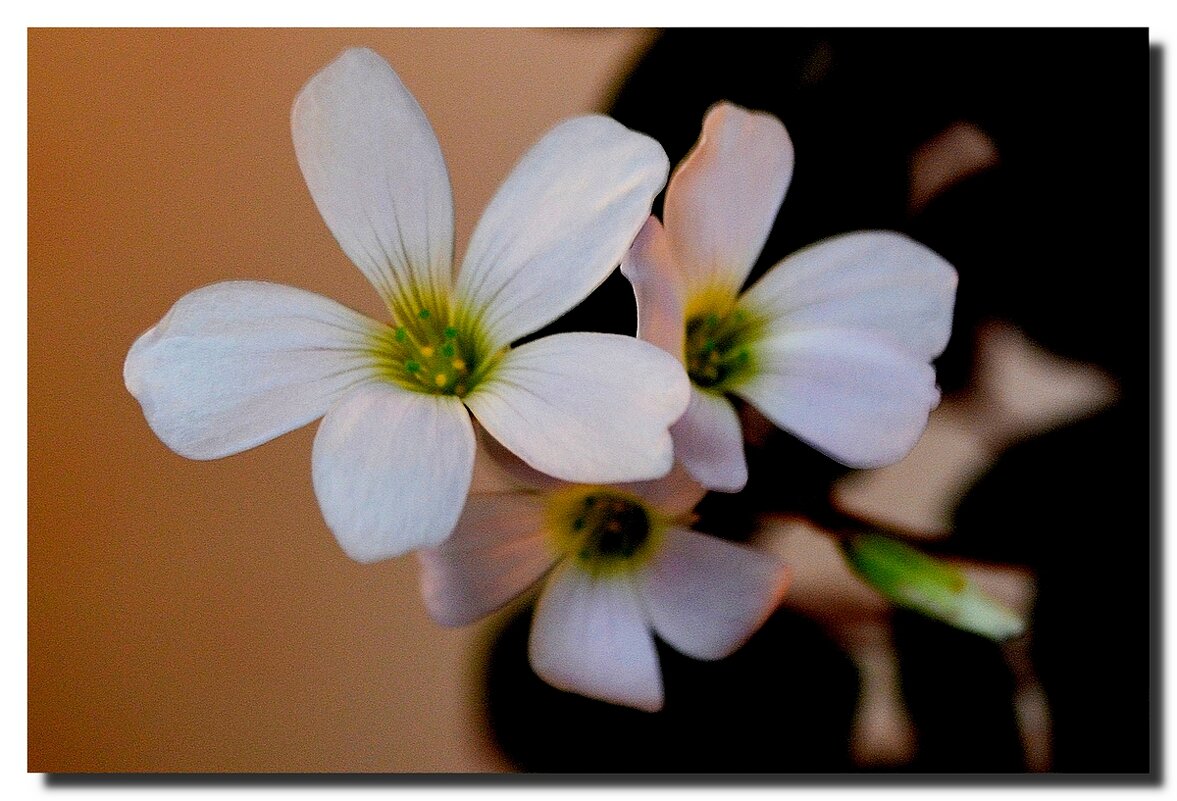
(199, 616)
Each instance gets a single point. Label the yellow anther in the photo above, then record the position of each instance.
(458, 364)
(440, 379)
(427, 351)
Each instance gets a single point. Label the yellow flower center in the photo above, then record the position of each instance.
(717, 346)
(432, 351)
(605, 530)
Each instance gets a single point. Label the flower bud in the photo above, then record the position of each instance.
(912, 579)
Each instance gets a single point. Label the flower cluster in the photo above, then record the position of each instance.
(579, 432)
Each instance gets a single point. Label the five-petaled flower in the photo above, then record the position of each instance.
(833, 344)
(617, 561)
(238, 363)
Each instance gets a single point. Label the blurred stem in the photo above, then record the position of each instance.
(840, 526)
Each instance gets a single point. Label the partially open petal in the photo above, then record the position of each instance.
(391, 469)
(590, 637)
(673, 495)
(879, 282)
(858, 399)
(560, 224)
(706, 596)
(658, 289)
(724, 196)
(709, 442)
(497, 551)
(376, 173)
(591, 408)
(235, 364)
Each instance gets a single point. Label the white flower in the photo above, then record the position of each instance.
(236, 364)
(618, 563)
(833, 344)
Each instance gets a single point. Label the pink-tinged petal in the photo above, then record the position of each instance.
(877, 282)
(236, 364)
(590, 408)
(498, 549)
(374, 169)
(673, 495)
(590, 637)
(706, 596)
(391, 469)
(858, 399)
(709, 442)
(657, 287)
(559, 225)
(724, 196)
(496, 469)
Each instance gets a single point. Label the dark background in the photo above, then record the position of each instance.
(1056, 239)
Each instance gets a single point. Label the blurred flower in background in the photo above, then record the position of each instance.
(617, 564)
(832, 344)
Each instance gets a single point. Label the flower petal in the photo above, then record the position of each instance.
(706, 596)
(858, 399)
(236, 364)
(590, 637)
(880, 282)
(498, 549)
(724, 196)
(657, 287)
(591, 408)
(560, 224)
(709, 442)
(673, 495)
(497, 469)
(374, 168)
(391, 469)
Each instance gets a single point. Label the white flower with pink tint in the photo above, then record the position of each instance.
(236, 364)
(833, 344)
(618, 564)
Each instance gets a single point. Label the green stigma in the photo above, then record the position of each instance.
(717, 347)
(604, 530)
(434, 351)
